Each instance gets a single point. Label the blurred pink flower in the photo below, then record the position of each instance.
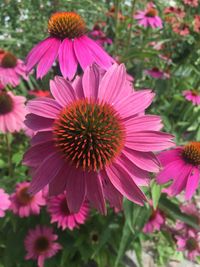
(69, 42)
(24, 204)
(149, 17)
(197, 23)
(177, 11)
(99, 36)
(156, 220)
(39, 93)
(94, 139)
(193, 96)
(12, 112)
(189, 242)
(181, 28)
(157, 74)
(40, 244)
(60, 213)
(11, 69)
(182, 165)
(192, 3)
(4, 202)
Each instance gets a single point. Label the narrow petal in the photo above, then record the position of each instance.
(47, 60)
(112, 83)
(83, 54)
(62, 91)
(168, 156)
(42, 137)
(122, 181)
(95, 191)
(192, 183)
(67, 59)
(37, 123)
(75, 189)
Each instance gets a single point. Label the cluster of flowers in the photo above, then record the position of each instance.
(92, 141)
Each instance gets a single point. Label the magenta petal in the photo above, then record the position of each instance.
(48, 58)
(37, 123)
(95, 191)
(83, 53)
(46, 172)
(112, 84)
(133, 104)
(62, 91)
(125, 184)
(37, 52)
(44, 107)
(76, 189)
(91, 79)
(42, 137)
(99, 55)
(144, 160)
(148, 141)
(111, 193)
(192, 183)
(166, 157)
(67, 59)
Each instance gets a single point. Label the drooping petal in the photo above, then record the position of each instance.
(83, 54)
(67, 59)
(37, 123)
(192, 183)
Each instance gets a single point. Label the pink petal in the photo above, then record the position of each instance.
(122, 181)
(95, 191)
(62, 91)
(168, 156)
(192, 183)
(37, 123)
(83, 54)
(41, 137)
(67, 59)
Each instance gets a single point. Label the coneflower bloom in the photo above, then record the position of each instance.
(192, 3)
(96, 142)
(156, 73)
(4, 202)
(12, 112)
(193, 96)
(149, 17)
(60, 213)
(68, 42)
(11, 69)
(189, 243)
(182, 165)
(155, 221)
(24, 204)
(40, 244)
(181, 28)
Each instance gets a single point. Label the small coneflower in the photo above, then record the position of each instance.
(12, 69)
(192, 96)
(68, 42)
(40, 244)
(192, 3)
(156, 220)
(181, 28)
(24, 204)
(12, 112)
(182, 165)
(155, 73)
(94, 140)
(60, 213)
(4, 202)
(149, 17)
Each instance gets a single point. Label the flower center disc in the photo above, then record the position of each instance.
(8, 60)
(41, 244)
(66, 25)
(64, 208)
(151, 12)
(24, 197)
(89, 134)
(191, 153)
(6, 103)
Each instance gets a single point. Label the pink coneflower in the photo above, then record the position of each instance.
(192, 3)
(99, 36)
(12, 112)
(4, 202)
(40, 244)
(155, 222)
(39, 93)
(11, 69)
(193, 96)
(68, 42)
(181, 28)
(149, 17)
(189, 242)
(177, 11)
(96, 142)
(24, 204)
(182, 166)
(60, 213)
(197, 23)
(157, 74)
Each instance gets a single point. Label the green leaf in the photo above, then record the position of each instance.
(155, 193)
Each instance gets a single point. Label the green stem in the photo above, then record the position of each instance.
(9, 151)
(116, 25)
(131, 25)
